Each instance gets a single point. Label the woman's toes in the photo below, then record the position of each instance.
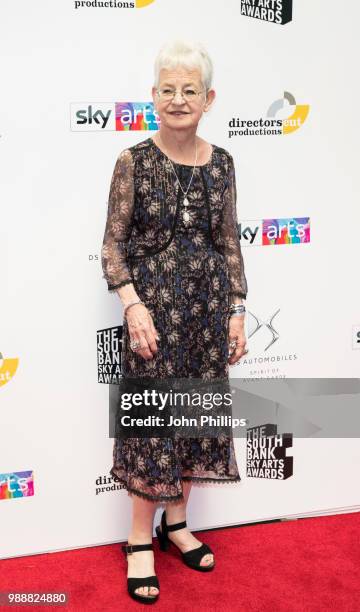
(140, 591)
(154, 591)
(207, 560)
(145, 591)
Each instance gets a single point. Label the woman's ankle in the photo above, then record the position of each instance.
(175, 517)
(140, 538)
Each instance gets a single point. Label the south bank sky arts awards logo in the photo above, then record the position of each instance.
(273, 11)
(266, 453)
(109, 346)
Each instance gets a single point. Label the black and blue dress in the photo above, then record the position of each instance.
(186, 270)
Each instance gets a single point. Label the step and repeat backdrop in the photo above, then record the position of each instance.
(76, 90)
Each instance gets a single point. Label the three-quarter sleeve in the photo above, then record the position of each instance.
(230, 237)
(118, 223)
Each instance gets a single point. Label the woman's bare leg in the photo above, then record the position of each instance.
(141, 563)
(183, 538)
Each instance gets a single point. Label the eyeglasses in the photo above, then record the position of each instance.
(189, 94)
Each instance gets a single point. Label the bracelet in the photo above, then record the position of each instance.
(131, 304)
(237, 309)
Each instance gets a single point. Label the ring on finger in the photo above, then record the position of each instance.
(135, 345)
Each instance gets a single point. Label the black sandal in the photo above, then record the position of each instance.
(191, 558)
(136, 583)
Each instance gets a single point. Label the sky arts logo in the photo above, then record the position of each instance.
(265, 232)
(111, 4)
(284, 116)
(8, 368)
(113, 116)
(16, 484)
(274, 11)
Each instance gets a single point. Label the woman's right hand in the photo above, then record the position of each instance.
(142, 329)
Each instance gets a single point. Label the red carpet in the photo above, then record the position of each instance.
(305, 565)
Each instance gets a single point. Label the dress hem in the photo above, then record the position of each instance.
(164, 498)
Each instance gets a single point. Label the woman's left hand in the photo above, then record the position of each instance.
(237, 335)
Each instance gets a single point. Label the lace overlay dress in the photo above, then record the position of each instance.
(187, 274)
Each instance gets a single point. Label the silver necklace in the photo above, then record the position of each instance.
(185, 214)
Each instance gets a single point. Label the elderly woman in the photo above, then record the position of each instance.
(172, 253)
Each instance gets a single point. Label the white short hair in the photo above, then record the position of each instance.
(186, 54)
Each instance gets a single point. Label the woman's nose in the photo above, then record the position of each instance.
(178, 98)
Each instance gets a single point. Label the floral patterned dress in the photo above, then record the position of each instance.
(186, 272)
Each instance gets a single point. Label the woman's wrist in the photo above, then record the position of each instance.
(128, 305)
(239, 319)
(236, 299)
(127, 293)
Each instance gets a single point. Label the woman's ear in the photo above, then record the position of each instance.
(209, 99)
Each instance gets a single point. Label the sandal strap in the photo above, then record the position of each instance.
(165, 527)
(196, 554)
(176, 526)
(151, 581)
(128, 549)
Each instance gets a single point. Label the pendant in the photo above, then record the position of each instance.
(186, 215)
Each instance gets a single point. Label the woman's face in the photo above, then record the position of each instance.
(178, 113)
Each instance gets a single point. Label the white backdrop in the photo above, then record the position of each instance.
(54, 190)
